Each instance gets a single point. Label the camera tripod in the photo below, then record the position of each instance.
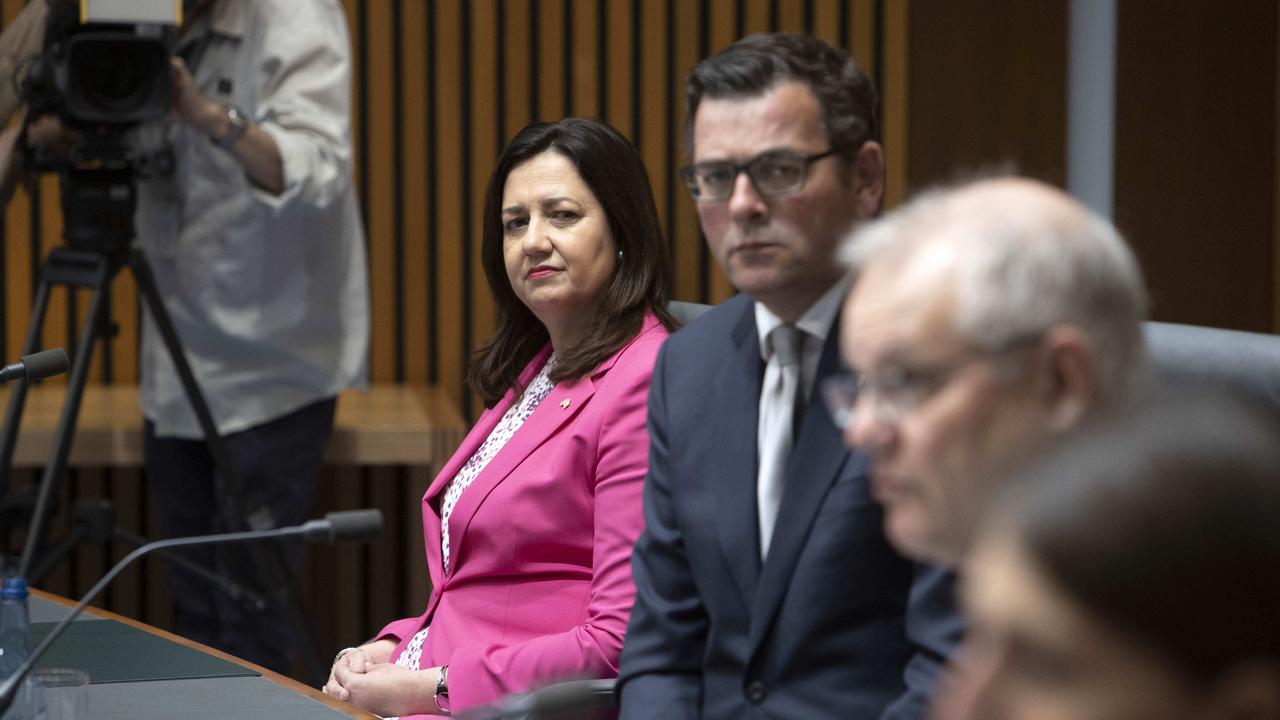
(263, 566)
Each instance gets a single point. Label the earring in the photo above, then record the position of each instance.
(619, 256)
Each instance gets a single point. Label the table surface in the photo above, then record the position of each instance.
(268, 695)
(383, 425)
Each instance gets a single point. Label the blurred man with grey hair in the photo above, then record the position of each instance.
(986, 318)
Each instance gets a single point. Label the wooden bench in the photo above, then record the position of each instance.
(413, 425)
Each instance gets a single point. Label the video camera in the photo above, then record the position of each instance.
(104, 69)
(105, 65)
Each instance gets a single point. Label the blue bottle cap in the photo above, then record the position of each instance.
(15, 588)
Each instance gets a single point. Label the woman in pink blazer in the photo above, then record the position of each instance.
(529, 527)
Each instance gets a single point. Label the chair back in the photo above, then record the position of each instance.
(1244, 362)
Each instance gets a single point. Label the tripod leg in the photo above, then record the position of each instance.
(70, 409)
(217, 446)
(18, 392)
(270, 567)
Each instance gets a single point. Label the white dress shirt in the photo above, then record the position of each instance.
(778, 425)
(816, 324)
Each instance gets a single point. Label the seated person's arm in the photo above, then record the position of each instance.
(297, 144)
(256, 150)
(934, 627)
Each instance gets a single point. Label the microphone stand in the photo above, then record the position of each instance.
(354, 525)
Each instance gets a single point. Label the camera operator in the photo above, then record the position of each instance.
(247, 214)
(258, 252)
(20, 40)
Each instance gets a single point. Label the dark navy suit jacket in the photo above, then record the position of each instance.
(834, 624)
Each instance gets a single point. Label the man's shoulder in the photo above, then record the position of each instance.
(711, 330)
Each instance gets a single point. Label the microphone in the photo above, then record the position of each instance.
(341, 526)
(33, 367)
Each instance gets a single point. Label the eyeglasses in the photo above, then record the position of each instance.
(777, 173)
(899, 391)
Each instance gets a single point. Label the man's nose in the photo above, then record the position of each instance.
(867, 428)
(746, 202)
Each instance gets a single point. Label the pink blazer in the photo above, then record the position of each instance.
(540, 544)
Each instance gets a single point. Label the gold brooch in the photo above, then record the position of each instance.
(564, 403)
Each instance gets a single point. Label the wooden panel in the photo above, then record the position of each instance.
(987, 88)
(690, 256)
(619, 76)
(411, 182)
(380, 210)
(1196, 92)
(384, 425)
(449, 194)
(894, 133)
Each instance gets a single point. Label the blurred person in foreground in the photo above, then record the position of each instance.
(986, 319)
(529, 527)
(1133, 574)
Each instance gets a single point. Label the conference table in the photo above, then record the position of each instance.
(138, 672)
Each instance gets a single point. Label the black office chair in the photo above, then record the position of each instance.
(1245, 362)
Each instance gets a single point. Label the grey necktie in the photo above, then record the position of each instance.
(779, 397)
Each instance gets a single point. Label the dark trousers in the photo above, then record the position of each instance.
(278, 463)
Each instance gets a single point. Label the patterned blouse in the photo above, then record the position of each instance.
(515, 416)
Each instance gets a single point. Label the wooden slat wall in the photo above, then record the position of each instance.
(438, 88)
(1196, 162)
(442, 84)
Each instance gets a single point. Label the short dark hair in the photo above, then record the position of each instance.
(1163, 522)
(757, 63)
(612, 169)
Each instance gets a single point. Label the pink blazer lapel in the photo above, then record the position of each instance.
(488, 420)
(560, 406)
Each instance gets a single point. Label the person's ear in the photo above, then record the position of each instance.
(1248, 692)
(1073, 375)
(868, 179)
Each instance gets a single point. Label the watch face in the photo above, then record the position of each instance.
(238, 123)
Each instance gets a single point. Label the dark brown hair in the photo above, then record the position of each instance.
(756, 63)
(615, 174)
(1164, 522)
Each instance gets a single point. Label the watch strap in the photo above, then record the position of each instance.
(237, 124)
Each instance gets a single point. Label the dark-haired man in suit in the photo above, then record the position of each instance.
(765, 586)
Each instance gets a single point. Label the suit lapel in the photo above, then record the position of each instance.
(814, 466)
(737, 394)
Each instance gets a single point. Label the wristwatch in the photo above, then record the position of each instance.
(442, 690)
(237, 123)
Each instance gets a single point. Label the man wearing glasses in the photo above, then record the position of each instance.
(765, 587)
(986, 319)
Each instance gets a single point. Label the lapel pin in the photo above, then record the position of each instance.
(564, 403)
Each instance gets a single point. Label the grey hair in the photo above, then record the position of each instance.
(1026, 260)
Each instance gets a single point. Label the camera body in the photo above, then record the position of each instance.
(102, 78)
(101, 74)
(105, 63)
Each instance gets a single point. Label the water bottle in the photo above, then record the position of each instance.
(15, 645)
